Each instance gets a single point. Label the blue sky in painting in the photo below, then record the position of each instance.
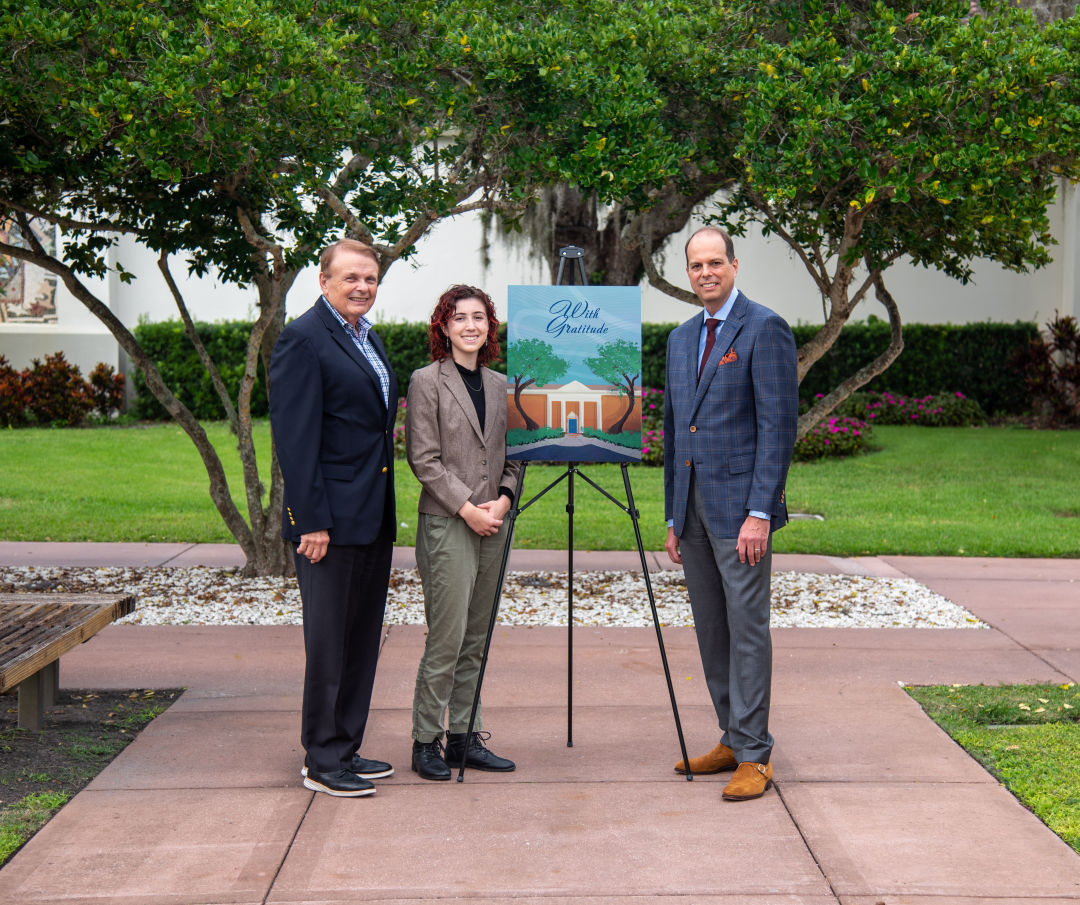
(574, 320)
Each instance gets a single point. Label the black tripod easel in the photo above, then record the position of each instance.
(576, 254)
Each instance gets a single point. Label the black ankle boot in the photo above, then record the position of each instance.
(427, 760)
(477, 757)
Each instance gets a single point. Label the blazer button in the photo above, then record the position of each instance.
(384, 469)
(483, 477)
(687, 463)
(693, 428)
(483, 461)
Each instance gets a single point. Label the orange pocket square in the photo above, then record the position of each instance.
(727, 359)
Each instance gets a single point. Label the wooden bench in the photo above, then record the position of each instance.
(36, 630)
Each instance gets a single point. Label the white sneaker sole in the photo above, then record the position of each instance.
(383, 775)
(337, 793)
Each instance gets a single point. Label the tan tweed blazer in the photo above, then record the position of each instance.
(450, 456)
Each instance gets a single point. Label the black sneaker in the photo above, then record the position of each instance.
(427, 760)
(364, 767)
(340, 783)
(477, 757)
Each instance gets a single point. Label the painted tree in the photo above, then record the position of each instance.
(618, 363)
(870, 133)
(532, 362)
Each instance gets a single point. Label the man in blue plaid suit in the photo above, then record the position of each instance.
(731, 407)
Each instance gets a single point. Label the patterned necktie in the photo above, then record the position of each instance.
(710, 341)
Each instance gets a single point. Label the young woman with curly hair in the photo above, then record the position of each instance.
(455, 441)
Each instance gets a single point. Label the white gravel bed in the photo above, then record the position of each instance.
(202, 596)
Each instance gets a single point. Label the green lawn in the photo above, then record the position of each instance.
(1028, 736)
(946, 491)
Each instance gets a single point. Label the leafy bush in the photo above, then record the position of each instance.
(519, 436)
(940, 410)
(652, 426)
(175, 357)
(106, 389)
(1052, 370)
(838, 436)
(978, 358)
(56, 392)
(399, 429)
(630, 439)
(12, 395)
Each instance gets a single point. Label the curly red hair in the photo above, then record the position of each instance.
(438, 346)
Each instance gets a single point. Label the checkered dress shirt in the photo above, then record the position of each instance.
(359, 336)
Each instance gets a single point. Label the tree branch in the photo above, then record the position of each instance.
(340, 208)
(219, 485)
(105, 226)
(867, 373)
(204, 356)
(656, 279)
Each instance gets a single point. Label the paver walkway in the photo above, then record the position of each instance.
(873, 804)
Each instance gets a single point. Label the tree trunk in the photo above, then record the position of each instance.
(617, 427)
(565, 216)
(219, 486)
(865, 374)
(530, 425)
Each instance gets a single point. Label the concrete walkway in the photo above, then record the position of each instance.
(872, 804)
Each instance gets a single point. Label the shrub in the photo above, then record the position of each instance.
(631, 439)
(175, 357)
(939, 410)
(399, 429)
(838, 436)
(1051, 370)
(56, 392)
(106, 389)
(519, 436)
(975, 357)
(652, 426)
(12, 395)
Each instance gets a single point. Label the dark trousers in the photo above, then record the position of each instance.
(343, 595)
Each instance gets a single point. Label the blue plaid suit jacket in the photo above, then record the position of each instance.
(736, 427)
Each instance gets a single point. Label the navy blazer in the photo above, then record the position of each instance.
(736, 427)
(333, 433)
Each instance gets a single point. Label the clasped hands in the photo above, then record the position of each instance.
(485, 518)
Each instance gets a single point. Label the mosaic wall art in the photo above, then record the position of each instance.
(27, 292)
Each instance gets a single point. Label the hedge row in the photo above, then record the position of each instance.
(169, 348)
(972, 358)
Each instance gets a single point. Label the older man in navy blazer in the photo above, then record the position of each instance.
(333, 397)
(731, 407)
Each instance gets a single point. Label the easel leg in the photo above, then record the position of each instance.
(656, 618)
(570, 609)
(494, 617)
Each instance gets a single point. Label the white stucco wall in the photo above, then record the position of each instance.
(452, 253)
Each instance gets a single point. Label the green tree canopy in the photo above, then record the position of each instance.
(532, 361)
(618, 363)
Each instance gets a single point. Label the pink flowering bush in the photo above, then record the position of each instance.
(399, 430)
(836, 436)
(940, 410)
(652, 426)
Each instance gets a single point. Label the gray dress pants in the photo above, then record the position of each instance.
(730, 602)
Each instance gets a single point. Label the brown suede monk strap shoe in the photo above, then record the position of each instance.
(716, 761)
(750, 781)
